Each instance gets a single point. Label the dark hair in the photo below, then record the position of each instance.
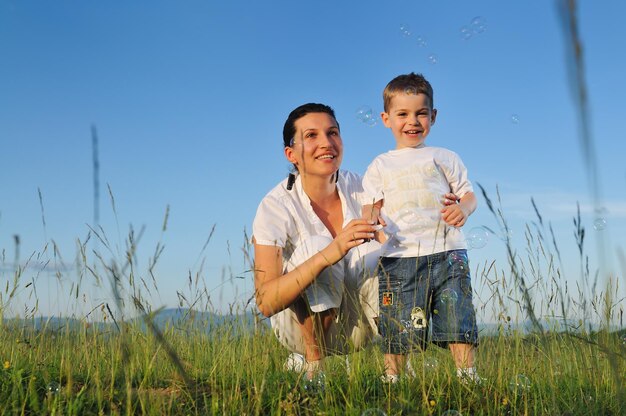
(407, 84)
(289, 130)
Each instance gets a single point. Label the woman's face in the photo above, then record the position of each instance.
(317, 148)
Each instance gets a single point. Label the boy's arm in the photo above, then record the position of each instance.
(371, 212)
(456, 215)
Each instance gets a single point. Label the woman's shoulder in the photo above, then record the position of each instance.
(278, 194)
(350, 178)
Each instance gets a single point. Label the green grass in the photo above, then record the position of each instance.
(236, 372)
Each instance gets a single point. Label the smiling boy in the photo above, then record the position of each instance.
(423, 272)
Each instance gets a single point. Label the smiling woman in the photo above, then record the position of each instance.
(313, 254)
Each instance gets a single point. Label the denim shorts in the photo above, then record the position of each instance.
(425, 296)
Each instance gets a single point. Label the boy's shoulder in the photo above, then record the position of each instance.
(420, 151)
(442, 150)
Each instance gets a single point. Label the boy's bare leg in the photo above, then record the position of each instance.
(463, 354)
(394, 364)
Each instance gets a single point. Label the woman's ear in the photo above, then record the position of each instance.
(289, 154)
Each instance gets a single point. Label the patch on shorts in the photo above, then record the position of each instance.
(387, 298)
(418, 318)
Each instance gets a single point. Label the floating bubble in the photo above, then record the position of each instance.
(520, 382)
(430, 363)
(366, 115)
(373, 412)
(370, 121)
(599, 224)
(477, 238)
(466, 33)
(451, 412)
(433, 59)
(421, 42)
(624, 339)
(405, 30)
(478, 24)
(514, 119)
(53, 388)
(456, 258)
(409, 214)
(364, 112)
(449, 297)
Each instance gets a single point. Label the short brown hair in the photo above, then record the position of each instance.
(407, 84)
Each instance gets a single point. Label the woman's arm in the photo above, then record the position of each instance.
(275, 291)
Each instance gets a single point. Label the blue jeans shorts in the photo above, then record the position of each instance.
(425, 296)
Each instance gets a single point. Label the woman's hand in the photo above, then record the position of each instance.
(352, 235)
(450, 199)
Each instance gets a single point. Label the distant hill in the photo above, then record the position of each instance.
(181, 318)
(189, 319)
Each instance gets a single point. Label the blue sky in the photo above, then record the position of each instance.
(189, 98)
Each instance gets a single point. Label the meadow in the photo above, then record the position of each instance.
(564, 357)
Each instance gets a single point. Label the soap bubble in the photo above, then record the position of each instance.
(430, 363)
(520, 383)
(478, 24)
(370, 121)
(466, 33)
(421, 42)
(363, 112)
(449, 297)
(405, 30)
(366, 115)
(477, 237)
(455, 258)
(599, 224)
(408, 214)
(514, 118)
(433, 59)
(53, 388)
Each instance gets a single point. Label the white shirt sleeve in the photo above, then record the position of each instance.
(456, 174)
(272, 223)
(372, 185)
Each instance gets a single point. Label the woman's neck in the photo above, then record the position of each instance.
(320, 190)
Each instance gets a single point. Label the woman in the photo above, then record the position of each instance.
(313, 254)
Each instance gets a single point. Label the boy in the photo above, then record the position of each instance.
(423, 272)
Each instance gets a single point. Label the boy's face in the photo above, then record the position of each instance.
(409, 118)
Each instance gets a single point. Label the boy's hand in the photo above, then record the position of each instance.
(456, 214)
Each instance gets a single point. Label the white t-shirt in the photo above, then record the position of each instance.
(412, 182)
